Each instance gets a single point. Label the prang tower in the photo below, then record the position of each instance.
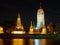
(31, 28)
(19, 24)
(40, 18)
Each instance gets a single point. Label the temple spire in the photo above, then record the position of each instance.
(40, 5)
(31, 28)
(19, 24)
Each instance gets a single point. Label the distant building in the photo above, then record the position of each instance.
(19, 29)
(31, 30)
(40, 27)
(19, 24)
(40, 18)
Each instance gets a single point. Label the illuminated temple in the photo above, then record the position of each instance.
(40, 28)
(37, 30)
(19, 29)
(19, 24)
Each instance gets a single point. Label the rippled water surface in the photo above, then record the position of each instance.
(29, 42)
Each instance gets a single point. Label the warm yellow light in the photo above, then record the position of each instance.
(31, 29)
(18, 32)
(17, 27)
(44, 41)
(18, 18)
(18, 42)
(44, 30)
(31, 32)
(19, 24)
(1, 30)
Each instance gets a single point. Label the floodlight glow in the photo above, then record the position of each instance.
(40, 18)
(18, 32)
(17, 41)
(40, 21)
(1, 30)
(37, 41)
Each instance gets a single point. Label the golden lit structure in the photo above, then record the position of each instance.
(18, 30)
(19, 27)
(40, 28)
(19, 24)
(31, 29)
(18, 42)
(1, 30)
(44, 30)
(41, 20)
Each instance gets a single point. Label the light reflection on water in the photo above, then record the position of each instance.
(37, 42)
(24, 41)
(31, 41)
(43, 42)
(17, 41)
(1, 42)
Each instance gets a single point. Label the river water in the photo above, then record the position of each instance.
(29, 42)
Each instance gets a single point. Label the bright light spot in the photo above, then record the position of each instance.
(40, 21)
(17, 27)
(37, 42)
(18, 18)
(18, 32)
(40, 18)
(1, 30)
(31, 31)
(37, 27)
(43, 30)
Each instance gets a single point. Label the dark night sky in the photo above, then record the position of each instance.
(28, 10)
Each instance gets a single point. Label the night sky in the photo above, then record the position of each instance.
(28, 10)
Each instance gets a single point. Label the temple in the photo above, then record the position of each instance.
(19, 27)
(31, 30)
(19, 24)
